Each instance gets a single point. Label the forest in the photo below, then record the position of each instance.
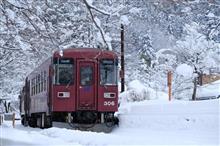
(160, 35)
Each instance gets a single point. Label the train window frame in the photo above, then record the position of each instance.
(38, 82)
(115, 72)
(60, 64)
(34, 86)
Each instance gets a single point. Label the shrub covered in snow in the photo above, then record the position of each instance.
(137, 91)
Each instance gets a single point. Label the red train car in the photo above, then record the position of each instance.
(78, 87)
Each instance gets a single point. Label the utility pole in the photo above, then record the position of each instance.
(122, 60)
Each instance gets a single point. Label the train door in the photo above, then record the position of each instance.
(86, 85)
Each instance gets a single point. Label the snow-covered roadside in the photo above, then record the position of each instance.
(172, 123)
(27, 136)
(141, 123)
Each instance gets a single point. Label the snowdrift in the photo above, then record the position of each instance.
(175, 115)
(137, 91)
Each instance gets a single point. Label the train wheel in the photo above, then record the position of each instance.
(48, 122)
(32, 122)
(41, 120)
(44, 121)
(24, 120)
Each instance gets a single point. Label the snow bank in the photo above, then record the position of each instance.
(28, 136)
(171, 115)
(196, 122)
(137, 91)
(209, 90)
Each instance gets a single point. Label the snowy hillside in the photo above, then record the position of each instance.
(141, 123)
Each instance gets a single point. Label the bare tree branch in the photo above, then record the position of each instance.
(29, 19)
(96, 24)
(18, 7)
(94, 8)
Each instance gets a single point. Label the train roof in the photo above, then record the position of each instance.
(86, 53)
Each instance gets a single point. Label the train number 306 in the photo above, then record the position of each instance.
(109, 103)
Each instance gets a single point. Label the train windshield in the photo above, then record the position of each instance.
(63, 71)
(108, 72)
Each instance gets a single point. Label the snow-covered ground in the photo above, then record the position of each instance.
(153, 122)
(146, 118)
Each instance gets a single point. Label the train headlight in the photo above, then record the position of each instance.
(63, 94)
(109, 95)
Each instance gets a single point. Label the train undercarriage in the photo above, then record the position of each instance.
(81, 120)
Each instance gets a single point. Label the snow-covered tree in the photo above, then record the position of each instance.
(31, 30)
(197, 51)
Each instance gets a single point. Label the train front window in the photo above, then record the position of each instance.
(63, 71)
(108, 72)
(86, 75)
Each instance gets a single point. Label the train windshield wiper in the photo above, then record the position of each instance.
(67, 86)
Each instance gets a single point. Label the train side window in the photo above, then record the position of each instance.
(34, 84)
(45, 81)
(38, 83)
(32, 87)
(64, 74)
(41, 82)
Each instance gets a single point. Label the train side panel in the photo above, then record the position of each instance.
(39, 89)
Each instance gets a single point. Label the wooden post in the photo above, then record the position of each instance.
(169, 83)
(122, 60)
(13, 120)
(1, 120)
